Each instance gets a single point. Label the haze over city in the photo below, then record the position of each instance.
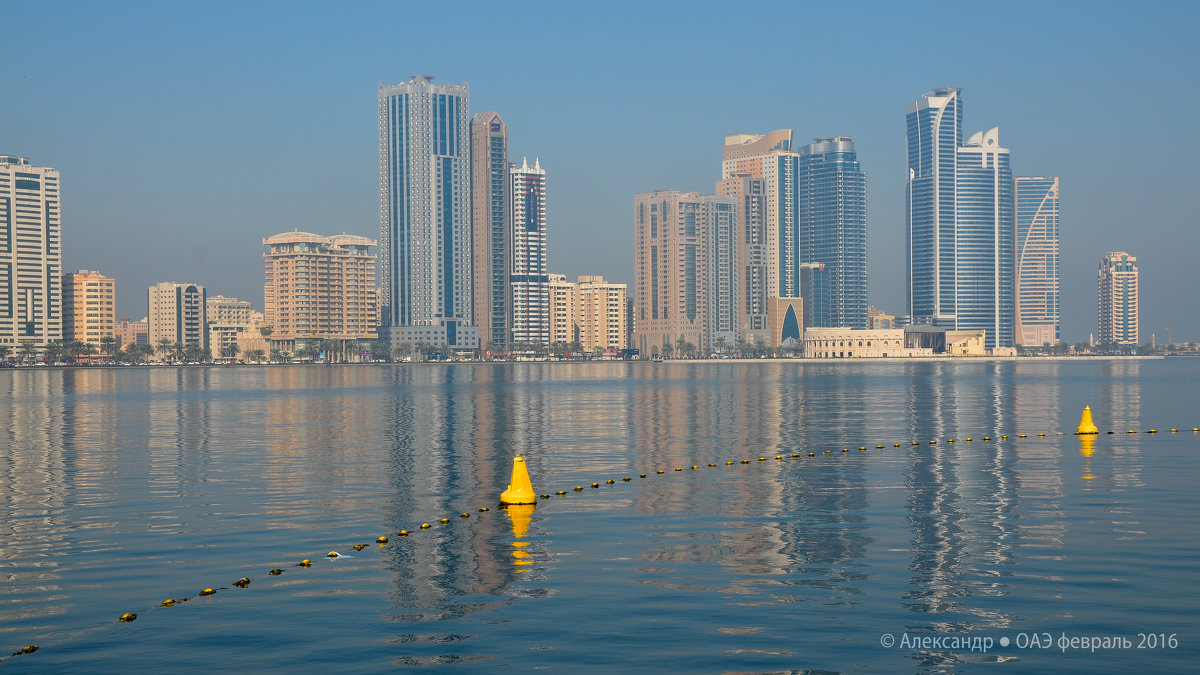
(186, 134)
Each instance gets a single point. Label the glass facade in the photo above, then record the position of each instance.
(1037, 260)
(530, 282)
(425, 200)
(961, 223)
(833, 233)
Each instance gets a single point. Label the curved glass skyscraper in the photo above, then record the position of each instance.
(1037, 320)
(960, 222)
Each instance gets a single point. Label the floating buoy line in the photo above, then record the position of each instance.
(520, 492)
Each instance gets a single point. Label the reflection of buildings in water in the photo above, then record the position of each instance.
(961, 496)
(1038, 468)
(810, 512)
(34, 470)
(1120, 400)
(178, 424)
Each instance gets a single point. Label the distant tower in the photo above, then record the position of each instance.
(1037, 260)
(492, 228)
(30, 253)
(425, 213)
(960, 222)
(1118, 291)
(529, 276)
(833, 231)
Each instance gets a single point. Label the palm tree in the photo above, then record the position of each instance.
(254, 355)
(230, 351)
(403, 350)
(4, 350)
(380, 349)
(80, 348)
(108, 345)
(28, 350)
(164, 346)
(719, 343)
(680, 343)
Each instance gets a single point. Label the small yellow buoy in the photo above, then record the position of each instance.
(402, 533)
(609, 481)
(208, 591)
(242, 583)
(168, 602)
(626, 479)
(464, 514)
(275, 572)
(384, 540)
(359, 547)
(561, 492)
(595, 485)
(127, 617)
(425, 526)
(579, 488)
(520, 489)
(483, 508)
(1086, 425)
(303, 563)
(332, 554)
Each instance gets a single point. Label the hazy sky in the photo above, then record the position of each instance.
(185, 133)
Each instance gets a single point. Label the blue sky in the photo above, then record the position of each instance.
(187, 132)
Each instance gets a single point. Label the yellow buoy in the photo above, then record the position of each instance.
(1086, 425)
(243, 582)
(520, 489)
(384, 540)
(168, 602)
(127, 617)
(209, 591)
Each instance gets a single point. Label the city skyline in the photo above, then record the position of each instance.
(217, 111)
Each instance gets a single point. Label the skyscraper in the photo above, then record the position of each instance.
(528, 279)
(756, 262)
(670, 263)
(960, 222)
(30, 253)
(771, 158)
(492, 226)
(722, 271)
(425, 213)
(1118, 291)
(833, 231)
(1037, 276)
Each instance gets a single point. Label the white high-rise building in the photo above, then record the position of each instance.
(528, 280)
(30, 253)
(1117, 282)
(425, 233)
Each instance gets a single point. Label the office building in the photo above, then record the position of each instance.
(30, 253)
(833, 232)
(1118, 291)
(425, 214)
(1037, 260)
(319, 287)
(220, 309)
(491, 228)
(530, 295)
(89, 307)
(960, 222)
(176, 314)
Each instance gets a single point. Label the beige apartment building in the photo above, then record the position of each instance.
(600, 314)
(563, 310)
(320, 287)
(176, 313)
(132, 332)
(89, 307)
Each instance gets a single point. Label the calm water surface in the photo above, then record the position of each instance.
(120, 488)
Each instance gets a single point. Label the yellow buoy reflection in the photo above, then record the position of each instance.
(1087, 446)
(520, 515)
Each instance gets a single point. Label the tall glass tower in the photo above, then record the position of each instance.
(961, 225)
(1037, 320)
(425, 213)
(1117, 283)
(833, 231)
